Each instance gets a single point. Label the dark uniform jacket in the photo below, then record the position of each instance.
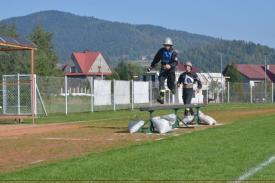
(166, 57)
(188, 79)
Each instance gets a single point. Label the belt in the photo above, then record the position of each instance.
(187, 86)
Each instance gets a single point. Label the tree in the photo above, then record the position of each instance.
(127, 70)
(235, 82)
(16, 61)
(45, 58)
(233, 73)
(113, 76)
(8, 30)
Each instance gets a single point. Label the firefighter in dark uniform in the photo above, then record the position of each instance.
(187, 79)
(169, 61)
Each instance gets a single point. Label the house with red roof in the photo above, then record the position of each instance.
(255, 73)
(87, 64)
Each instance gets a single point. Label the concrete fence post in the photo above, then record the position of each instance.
(92, 93)
(251, 95)
(114, 103)
(132, 94)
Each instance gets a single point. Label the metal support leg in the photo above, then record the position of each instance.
(196, 115)
(150, 128)
(177, 123)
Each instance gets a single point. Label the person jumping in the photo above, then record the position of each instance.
(169, 61)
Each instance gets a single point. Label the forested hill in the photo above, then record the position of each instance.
(121, 40)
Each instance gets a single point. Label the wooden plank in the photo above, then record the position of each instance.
(17, 46)
(171, 106)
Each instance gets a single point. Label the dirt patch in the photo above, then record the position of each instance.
(239, 114)
(21, 129)
(27, 145)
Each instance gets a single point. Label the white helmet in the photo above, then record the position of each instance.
(168, 41)
(188, 64)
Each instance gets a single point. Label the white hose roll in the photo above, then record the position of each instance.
(171, 118)
(161, 125)
(188, 119)
(207, 119)
(134, 126)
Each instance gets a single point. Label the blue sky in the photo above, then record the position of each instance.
(252, 20)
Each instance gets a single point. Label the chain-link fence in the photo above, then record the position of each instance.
(71, 95)
(257, 92)
(78, 95)
(16, 95)
(50, 90)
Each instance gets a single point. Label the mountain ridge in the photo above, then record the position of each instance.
(118, 40)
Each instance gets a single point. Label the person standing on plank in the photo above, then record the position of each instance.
(187, 79)
(169, 61)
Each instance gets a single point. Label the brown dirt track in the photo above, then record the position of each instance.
(26, 145)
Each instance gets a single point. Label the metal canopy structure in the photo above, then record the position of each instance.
(20, 44)
(11, 44)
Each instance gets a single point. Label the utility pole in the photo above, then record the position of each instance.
(221, 77)
(265, 78)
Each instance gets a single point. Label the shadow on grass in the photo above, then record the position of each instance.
(9, 123)
(117, 128)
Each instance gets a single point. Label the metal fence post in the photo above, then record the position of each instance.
(66, 97)
(4, 95)
(228, 91)
(92, 93)
(150, 92)
(18, 94)
(272, 93)
(35, 94)
(132, 94)
(114, 103)
(207, 93)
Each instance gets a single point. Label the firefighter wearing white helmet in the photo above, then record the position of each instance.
(168, 41)
(169, 61)
(189, 64)
(187, 80)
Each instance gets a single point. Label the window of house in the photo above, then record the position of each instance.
(73, 69)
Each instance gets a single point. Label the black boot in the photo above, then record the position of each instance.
(191, 111)
(187, 112)
(161, 97)
(173, 91)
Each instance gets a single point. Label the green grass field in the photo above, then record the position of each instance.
(222, 153)
(128, 114)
